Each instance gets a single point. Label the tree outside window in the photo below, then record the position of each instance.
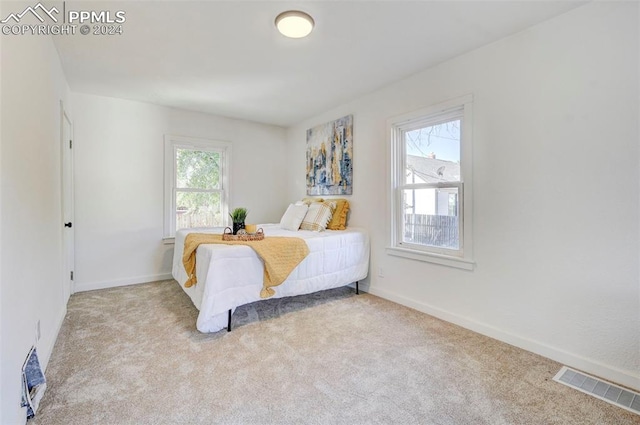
(196, 183)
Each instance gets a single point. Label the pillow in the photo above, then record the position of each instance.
(339, 219)
(293, 217)
(309, 200)
(318, 216)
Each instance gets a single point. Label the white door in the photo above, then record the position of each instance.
(67, 205)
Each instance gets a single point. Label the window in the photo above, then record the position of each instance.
(196, 183)
(431, 184)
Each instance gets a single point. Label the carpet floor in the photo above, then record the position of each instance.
(132, 355)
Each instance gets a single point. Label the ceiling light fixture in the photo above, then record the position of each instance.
(294, 24)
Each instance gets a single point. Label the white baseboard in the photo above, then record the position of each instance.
(570, 359)
(91, 286)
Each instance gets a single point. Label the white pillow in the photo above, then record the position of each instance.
(293, 217)
(318, 216)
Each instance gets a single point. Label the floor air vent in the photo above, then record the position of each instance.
(611, 393)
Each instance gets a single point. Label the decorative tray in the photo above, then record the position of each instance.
(229, 236)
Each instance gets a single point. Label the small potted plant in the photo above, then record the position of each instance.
(238, 216)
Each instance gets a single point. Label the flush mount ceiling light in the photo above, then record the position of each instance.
(294, 24)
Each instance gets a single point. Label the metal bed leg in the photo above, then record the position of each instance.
(357, 289)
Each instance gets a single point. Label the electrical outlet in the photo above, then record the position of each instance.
(381, 272)
(38, 330)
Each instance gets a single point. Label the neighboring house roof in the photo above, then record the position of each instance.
(432, 170)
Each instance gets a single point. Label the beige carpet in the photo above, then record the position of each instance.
(132, 355)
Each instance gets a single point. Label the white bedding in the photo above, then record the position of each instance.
(231, 276)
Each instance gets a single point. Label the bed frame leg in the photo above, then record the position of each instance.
(357, 289)
(229, 322)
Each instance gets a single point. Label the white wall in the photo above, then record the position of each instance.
(119, 147)
(31, 221)
(555, 191)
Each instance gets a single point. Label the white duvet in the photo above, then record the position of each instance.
(231, 276)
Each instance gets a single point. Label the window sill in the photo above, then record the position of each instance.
(445, 260)
(169, 241)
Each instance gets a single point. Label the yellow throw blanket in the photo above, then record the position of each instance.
(280, 256)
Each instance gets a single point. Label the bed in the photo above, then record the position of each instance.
(231, 276)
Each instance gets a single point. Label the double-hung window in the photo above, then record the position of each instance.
(196, 183)
(431, 184)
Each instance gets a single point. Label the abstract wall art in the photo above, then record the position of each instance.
(330, 158)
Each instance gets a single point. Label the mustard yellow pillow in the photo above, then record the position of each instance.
(339, 218)
(308, 200)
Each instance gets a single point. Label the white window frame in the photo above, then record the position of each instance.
(462, 108)
(171, 145)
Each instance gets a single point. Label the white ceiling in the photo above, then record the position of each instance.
(226, 58)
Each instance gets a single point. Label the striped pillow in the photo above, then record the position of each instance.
(318, 216)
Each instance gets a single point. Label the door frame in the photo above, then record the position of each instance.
(67, 202)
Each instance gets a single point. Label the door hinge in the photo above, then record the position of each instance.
(71, 275)
(70, 144)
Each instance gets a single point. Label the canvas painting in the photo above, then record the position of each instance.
(330, 158)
